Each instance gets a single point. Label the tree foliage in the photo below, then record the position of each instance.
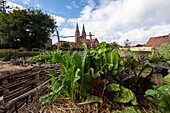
(115, 45)
(29, 28)
(127, 43)
(66, 45)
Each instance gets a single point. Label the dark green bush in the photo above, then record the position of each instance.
(8, 54)
(66, 45)
(2, 46)
(27, 54)
(77, 49)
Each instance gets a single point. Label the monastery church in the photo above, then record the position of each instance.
(91, 43)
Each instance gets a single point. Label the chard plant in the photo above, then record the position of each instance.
(159, 98)
(47, 57)
(90, 77)
(101, 76)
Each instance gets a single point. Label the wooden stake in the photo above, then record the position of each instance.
(91, 39)
(58, 46)
(1, 100)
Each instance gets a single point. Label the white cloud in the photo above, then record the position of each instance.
(26, 2)
(68, 7)
(91, 3)
(59, 20)
(73, 3)
(118, 20)
(14, 6)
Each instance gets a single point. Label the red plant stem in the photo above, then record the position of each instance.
(142, 80)
(96, 87)
(104, 102)
(95, 91)
(140, 73)
(101, 106)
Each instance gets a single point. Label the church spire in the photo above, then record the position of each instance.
(77, 34)
(83, 31)
(77, 28)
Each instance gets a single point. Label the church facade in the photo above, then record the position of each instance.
(91, 43)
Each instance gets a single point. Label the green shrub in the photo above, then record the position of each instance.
(66, 45)
(27, 54)
(35, 49)
(2, 46)
(8, 54)
(77, 49)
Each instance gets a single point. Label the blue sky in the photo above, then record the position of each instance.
(108, 20)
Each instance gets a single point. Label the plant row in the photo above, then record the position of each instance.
(100, 76)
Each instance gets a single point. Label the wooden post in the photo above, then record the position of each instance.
(58, 46)
(4, 82)
(153, 50)
(91, 39)
(36, 68)
(1, 100)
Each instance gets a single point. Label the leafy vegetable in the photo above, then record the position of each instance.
(91, 99)
(113, 87)
(164, 50)
(55, 88)
(129, 110)
(161, 97)
(46, 57)
(125, 96)
(167, 78)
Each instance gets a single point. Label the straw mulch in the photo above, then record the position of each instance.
(60, 105)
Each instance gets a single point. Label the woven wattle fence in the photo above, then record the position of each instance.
(18, 84)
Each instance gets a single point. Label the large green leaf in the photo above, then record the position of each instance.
(92, 99)
(164, 50)
(121, 66)
(50, 97)
(52, 75)
(125, 96)
(113, 87)
(54, 59)
(76, 76)
(167, 78)
(57, 87)
(129, 110)
(83, 45)
(115, 61)
(76, 59)
(161, 95)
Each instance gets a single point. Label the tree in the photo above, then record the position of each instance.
(28, 28)
(65, 45)
(115, 45)
(127, 43)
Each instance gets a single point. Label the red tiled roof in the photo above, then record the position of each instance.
(60, 42)
(94, 39)
(158, 41)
